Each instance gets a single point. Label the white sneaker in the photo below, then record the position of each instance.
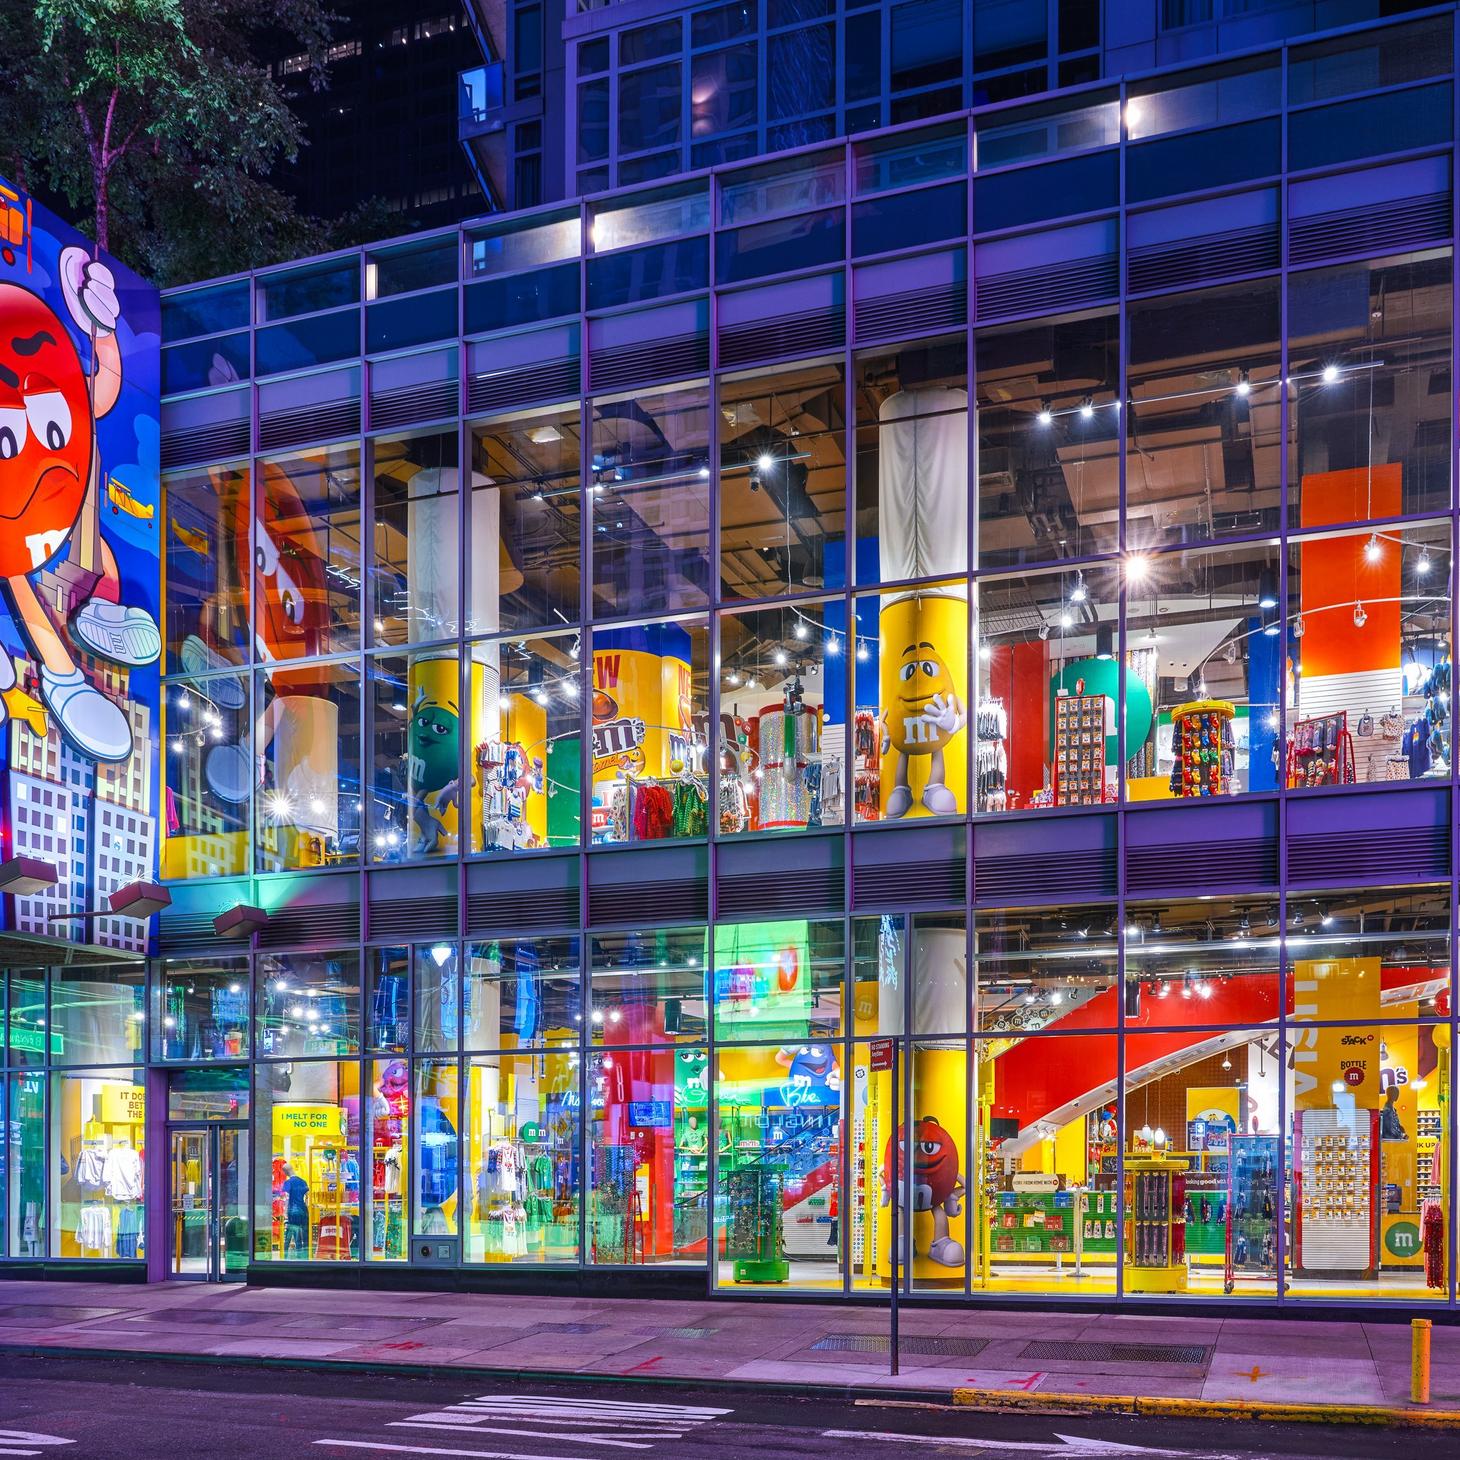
(946, 1252)
(231, 772)
(87, 718)
(899, 803)
(123, 635)
(939, 799)
(198, 659)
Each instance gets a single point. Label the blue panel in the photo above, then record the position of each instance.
(1056, 190)
(1197, 160)
(1394, 122)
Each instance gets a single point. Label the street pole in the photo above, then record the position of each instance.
(897, 1185)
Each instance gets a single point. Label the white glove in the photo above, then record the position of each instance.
(90, 290)
(944, 714)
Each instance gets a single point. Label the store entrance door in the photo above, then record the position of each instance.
(208, 1189)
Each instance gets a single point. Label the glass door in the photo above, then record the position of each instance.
(230, 1220)
(208, 1190)
(190, 1186)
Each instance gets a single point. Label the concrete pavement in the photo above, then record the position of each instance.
(956, 1355)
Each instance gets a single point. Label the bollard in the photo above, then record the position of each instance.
(1419, 1361)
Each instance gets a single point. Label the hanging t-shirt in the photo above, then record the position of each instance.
(122, 1174)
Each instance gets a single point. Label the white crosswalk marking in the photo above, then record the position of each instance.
(600, 1423)
(28, 1442)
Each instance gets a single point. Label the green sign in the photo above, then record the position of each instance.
(34, 1040)
(1402, 1239)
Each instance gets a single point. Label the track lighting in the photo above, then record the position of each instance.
(1373, 549)
(1361, 617)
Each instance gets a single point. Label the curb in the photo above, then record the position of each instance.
(995, 1400)
(397, 1369)
(1173, 1408)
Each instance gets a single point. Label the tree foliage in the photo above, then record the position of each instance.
(158, 126)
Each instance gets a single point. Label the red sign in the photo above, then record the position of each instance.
(881, 1055)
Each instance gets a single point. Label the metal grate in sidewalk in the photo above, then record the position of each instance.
(880, 1343)
(1118, 1353)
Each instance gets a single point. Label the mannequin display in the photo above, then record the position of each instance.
(295, 1192)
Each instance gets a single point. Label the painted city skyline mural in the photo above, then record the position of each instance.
(79, 571)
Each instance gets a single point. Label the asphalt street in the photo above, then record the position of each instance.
(107, 1409)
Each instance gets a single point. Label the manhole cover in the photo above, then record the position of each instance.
(880, 1343)
(1118, 1353)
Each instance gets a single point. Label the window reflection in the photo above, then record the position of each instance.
(417, 535)
(651, 501)
(782, 481)
(525, 507)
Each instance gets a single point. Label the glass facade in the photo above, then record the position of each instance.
(917, 671)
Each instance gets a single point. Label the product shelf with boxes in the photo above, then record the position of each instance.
(1254, 1170)
(1082, 725)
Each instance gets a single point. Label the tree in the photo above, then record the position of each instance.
(154, 118)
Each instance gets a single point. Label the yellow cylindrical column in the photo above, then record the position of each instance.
(1419, 1360)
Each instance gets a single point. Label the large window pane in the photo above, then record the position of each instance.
(417, 533)
(526, 698)
(97, 1014)
(1369, 355)
(1040, 968)
(416, 797)
(388, 1123)
(307, 1004)
(782, 482)
(647, 1205)
(1049, 686)
(200, 1009)
(778, 1135)
(26, 1160)
(207, 548)
(306, 745)
(651, 496)
(1204, 432)
(1201, 1163)
(522, 993)
(912, 462)
(436, 1117)
(307, 559)
(784, 689)
(1368, 1112)
(1048, 1144)
(1204, 667)
(1049, 484)
(525, 524)
(98, 1124)
(783, 981)
(211, 775)
(911, 708)
(307, 1171)
(1351, 955)
(1203, 962)
(522, 1158)
(649, 746)
(648, 986)
(1369, 636)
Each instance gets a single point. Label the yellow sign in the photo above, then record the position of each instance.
(123, 1104)
(1329, 1063)
(315, 1122)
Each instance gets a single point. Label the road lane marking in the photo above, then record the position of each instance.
(601, 1423)
(1066, 1447)
(28, 1442)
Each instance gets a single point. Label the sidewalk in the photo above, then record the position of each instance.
(1342, 1371)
